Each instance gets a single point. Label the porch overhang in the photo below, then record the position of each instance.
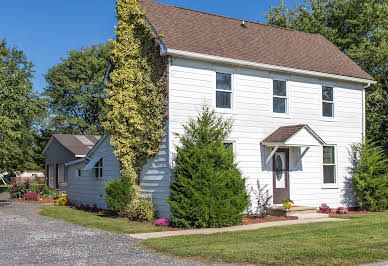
(292, 136)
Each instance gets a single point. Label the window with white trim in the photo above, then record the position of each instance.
(327, 101)
(228, 144)
(97, 169)
(329, 165)
(223, 90)
(280, 96)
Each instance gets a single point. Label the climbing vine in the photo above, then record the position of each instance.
(137, 90)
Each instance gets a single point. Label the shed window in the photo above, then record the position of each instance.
(97, 169)
(327, 101)
(279, 96)
(329, 165)
(223, 90)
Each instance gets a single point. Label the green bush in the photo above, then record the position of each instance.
(370, 177)
(18, 189)
(145, 211)
(41, 189)
(119, 194)
(208, 189)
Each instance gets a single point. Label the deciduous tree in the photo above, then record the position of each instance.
(76, 90)
(20, 112)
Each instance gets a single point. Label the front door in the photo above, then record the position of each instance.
(281, 179)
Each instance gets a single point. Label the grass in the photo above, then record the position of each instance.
(363, 239)
(94, 220)
(3, 188)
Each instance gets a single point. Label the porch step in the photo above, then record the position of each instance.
(294, 211)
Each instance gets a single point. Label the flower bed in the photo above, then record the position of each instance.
(41, 201)
(356, 212)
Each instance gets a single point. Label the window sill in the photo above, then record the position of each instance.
(225, 111)
(280, 115)
(330, 186)
(328, 119)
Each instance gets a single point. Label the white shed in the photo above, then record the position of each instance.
(87, 176)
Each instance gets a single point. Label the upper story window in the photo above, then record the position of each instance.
(223, 90)
(327, 101)
(97, 169)
(329, 165)
(280, 96)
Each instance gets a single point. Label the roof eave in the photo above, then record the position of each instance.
(225, 60)
(75, 161)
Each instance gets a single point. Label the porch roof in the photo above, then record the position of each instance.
(294, 136)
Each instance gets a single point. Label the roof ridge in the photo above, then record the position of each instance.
(232, 18)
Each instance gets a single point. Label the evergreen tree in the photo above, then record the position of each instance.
(371, 177)
(208, 189)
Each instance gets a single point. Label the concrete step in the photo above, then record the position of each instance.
(294, 211)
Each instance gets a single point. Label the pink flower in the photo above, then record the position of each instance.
(162, 222)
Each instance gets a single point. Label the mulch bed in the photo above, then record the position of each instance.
(43, 201)
(360, 212)
(256, 219)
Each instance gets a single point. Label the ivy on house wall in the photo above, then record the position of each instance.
(137, 90)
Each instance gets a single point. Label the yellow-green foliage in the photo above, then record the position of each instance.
(137, 90)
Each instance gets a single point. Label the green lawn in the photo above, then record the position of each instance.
(89, 219)
(363, 239)
(3, 188)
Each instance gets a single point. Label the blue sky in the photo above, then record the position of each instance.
(46, 29)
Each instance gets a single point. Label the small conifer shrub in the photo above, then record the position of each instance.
(370, 177)
(208, 189)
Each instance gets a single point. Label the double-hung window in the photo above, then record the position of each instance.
(223, 90)
(98, 169)
(327, 101)
(329, 165)
(279, 96)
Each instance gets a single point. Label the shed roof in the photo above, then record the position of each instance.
(209, 34)
(79, 145)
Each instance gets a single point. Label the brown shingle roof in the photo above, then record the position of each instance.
(77, 144)
(194, 31)
(283, 133)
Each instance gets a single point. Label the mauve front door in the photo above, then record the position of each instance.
(281, 176)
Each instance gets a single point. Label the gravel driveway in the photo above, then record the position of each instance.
(29, 238)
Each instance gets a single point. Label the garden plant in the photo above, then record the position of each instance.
(208, 189)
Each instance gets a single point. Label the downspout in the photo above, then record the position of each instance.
(364, 111)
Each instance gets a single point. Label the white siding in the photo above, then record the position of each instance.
(155, 179)
(88, 189)
(192, 84)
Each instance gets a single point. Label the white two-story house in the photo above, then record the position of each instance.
(298, 103)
